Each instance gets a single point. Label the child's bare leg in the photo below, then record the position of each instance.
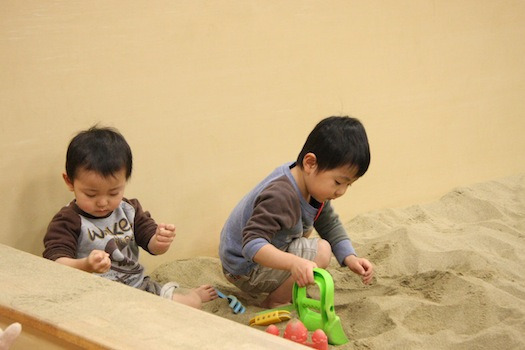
(191, 299)
(195, 297)
(283, 294)
(324, 254)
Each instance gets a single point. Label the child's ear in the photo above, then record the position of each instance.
(68, 182)
(309, 163)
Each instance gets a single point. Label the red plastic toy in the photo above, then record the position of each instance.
(297, 332)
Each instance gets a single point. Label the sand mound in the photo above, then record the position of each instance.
(449, 274)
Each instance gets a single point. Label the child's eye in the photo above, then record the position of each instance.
(90, 195)
(113, 194)
(337, 183)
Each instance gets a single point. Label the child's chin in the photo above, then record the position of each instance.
(100, 214)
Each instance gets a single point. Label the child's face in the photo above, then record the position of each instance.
(330, 184)
(95, 194)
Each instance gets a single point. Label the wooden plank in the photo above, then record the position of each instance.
(91, 312)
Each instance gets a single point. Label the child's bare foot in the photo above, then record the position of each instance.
(206, 292)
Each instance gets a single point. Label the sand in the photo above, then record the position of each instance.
(449, 274)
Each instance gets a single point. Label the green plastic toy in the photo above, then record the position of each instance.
(320, 314)
(317, 314)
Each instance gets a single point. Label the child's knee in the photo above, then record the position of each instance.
(324, 253)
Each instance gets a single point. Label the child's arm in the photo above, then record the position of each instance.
(162, 239)
(300, 268)
(61, 243)
(360, 266)
(330, 228)
(97, 261)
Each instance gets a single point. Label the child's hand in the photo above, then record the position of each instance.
(303, 271)
(98, 261)
(161, 241)
(360, 266)
(165, 234)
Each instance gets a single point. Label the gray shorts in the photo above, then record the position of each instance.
(264, 279)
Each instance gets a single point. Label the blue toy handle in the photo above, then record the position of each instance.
(233, 302)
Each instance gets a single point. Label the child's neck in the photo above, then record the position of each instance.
(298, 175)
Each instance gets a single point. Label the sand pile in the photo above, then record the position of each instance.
(449, 274)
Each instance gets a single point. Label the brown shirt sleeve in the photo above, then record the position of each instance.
(62, 234)
(144, 227)
(276, 208)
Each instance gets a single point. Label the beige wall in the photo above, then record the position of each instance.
(212, 95)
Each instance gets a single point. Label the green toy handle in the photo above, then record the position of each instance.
(320, 314)
(314, 313)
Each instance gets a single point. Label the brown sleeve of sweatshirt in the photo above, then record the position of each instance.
(144, 227)
(276, 208)
(62, 235)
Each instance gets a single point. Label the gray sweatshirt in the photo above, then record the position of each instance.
(276, 213)
(74, 234)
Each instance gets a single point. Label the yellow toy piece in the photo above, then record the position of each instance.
(270, 317)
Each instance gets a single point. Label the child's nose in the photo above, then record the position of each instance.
(340, 191)
(102, 202)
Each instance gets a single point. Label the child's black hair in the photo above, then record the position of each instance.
(338, 141)
(100, 149)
